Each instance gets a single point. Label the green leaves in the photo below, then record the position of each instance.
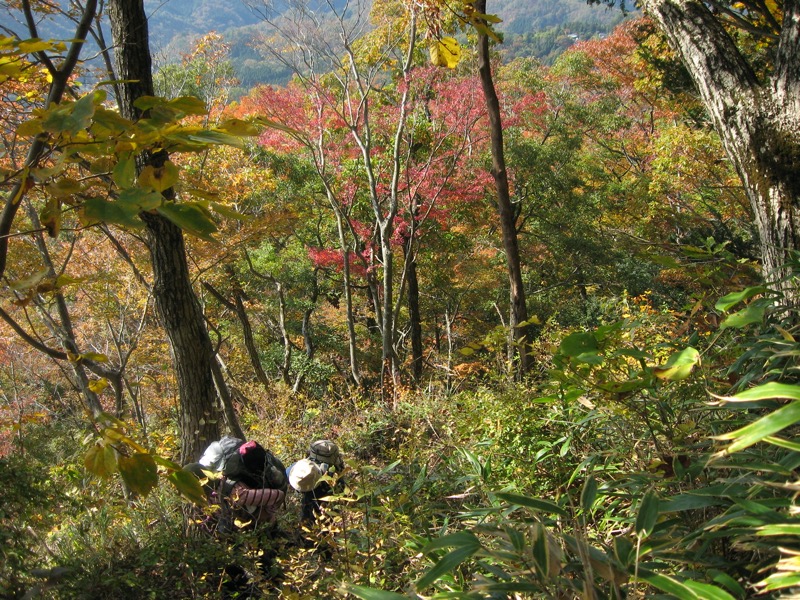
(73, 117)
(678, 366)
(192, 217)
(582, 346)
(536, 504)
(365, 593)
(771, 423)
(686, 590)
(188, 486)
(139, 472)
(647, 515)
(464, 543)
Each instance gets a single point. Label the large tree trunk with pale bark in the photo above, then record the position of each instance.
(175, 299)
(757, 119)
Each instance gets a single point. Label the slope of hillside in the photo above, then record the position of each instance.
(537, 28)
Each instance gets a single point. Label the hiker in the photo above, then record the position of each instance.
(306, 476)
(246, 480)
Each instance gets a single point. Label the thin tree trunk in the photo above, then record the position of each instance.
(175, 300)
(348, 295)
(415, 319)
(519, 310)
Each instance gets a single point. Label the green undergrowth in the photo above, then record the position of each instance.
(641, 463)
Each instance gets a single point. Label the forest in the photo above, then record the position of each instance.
(545, 308)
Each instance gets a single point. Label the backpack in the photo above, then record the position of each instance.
(256, 467)
(217, 454)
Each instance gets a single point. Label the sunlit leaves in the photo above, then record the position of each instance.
(159, 178)
(445, 52)
(101, 461)
(768, 425)
(678, 366)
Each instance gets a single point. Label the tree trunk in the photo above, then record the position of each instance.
(519, 310)
(758, 121)
(175, 300)
(348, 294)
(413, 311)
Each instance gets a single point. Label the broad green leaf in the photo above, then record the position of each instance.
(747, 316)
(688, 501)
(781, 529)
(101, 460)
(189, 105)
(70, 117)
(540, 549)
(164, 462)
(366, 593)
(159, 178)
(211, 136)
(780, 581)
(30, 128)
(188, 485)
(460, 538)
(768, 391)
(624, 551)
(706, 591)
(589, 493)
(445, 52)
(532, 503)
(447, 563)
(678, 366)
(239, 127)
(139, 472)
(190, 217)
(124, 173)
(228, 212)
(762, 428)
(136, 199)
(114, 434)
(726, 580)
(648, 514)
(110, 120)
(275, 125)
(29, 282)
(783, 443)
(730, 300)
(145, 103)
(64, 186)
(578, 343)
(671, 586)
(98, 210)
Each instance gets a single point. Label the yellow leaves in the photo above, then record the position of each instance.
(445, 52)
(159, 178)
(98, 385)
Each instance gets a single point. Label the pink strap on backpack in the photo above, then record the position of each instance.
(241, 495)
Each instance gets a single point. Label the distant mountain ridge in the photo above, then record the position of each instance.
(538, 28)
(542, 29)
(171, 19)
